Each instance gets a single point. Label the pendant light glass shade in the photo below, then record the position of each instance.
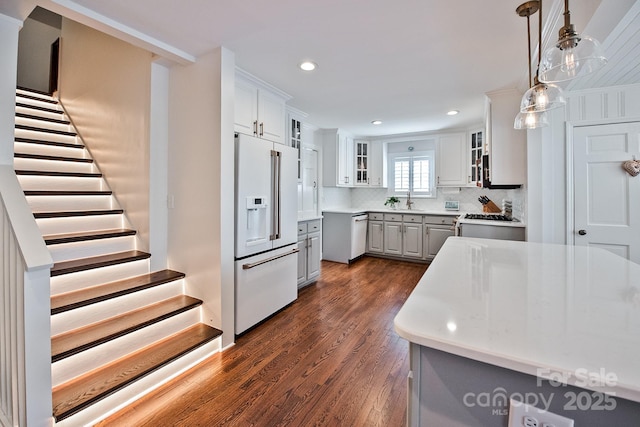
(531, 120)
(573, 56)
(542, 97)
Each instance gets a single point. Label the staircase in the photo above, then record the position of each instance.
(117, 328)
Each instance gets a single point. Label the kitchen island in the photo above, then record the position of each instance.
(554, 326)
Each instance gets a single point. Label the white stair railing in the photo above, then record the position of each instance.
(25, 341)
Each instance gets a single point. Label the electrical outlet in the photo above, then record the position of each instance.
(523, 415)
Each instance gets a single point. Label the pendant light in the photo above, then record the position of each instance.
(540, 97)
(574, 55)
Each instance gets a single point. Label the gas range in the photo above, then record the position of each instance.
(490, 217)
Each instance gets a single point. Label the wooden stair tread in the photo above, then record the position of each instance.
(81, 339)
(54, 143)
(56, 158)
(83, 264)
(87, 296)
(68, 192)
(56, 239)
(39, 108)
(75, 395)
(45, 130)
(43, 119)
(55, 173)
(65, 214)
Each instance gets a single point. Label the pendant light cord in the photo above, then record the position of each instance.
(529, 50)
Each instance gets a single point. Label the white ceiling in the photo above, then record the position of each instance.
(405, 62)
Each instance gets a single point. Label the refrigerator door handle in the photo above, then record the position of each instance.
(273, 258)
(275, 191)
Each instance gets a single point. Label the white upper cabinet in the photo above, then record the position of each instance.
(338, 158)
(507, 146)
(370, 164)
(451, 160)
(259, 109)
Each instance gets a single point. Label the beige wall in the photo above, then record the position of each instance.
(9, 28)
(200, 240)
(105, 86)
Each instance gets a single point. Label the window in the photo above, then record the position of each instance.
(412, 172)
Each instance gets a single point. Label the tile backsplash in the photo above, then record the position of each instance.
(373, 198)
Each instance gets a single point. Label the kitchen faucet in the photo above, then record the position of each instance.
(409, 202)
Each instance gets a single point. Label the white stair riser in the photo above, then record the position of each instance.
(70, 203)
(79, 364)
(40, 113)
(79, 224)
(97, 276)
(45, 136)
(37, 103)
(35, 94)
(44, 124)
(129, 394)
(69, 251)
(39, 182)
(50, 150)
(52, 165)
(87, 315)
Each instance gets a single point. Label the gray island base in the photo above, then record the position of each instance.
(553, 326)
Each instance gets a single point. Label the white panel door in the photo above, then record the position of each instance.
(308, 203)
(606, 197)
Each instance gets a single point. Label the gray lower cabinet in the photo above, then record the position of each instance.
(376, 237)
(411, 236)
(309, 252)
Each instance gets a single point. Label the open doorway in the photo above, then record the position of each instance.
(38, 51)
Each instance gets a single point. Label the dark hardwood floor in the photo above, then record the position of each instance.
(332, 358)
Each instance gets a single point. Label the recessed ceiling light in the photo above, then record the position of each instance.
(377, 122)
(308, 66)
(452, 112)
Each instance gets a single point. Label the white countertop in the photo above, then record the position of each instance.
(386, 210)
(553, 311)
(345, 210)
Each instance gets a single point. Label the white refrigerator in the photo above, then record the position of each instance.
(265, 229)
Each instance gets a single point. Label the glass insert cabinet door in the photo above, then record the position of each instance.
(362, 163)
(296, 142)
(477, 148)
